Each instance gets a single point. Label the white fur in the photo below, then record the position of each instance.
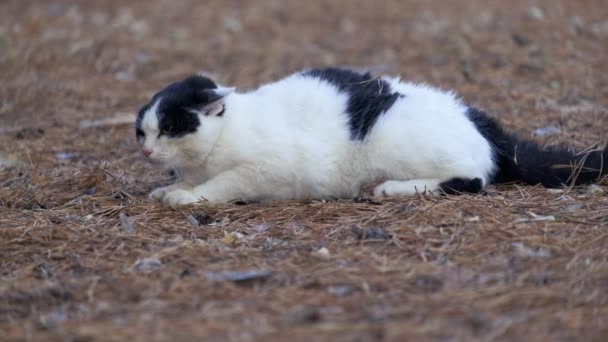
(407, 188)
(291, 140)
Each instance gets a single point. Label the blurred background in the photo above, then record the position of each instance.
(67, 60)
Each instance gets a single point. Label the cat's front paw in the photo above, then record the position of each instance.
(159, 193)
(383, 190)
(179, 197)
(407, 188)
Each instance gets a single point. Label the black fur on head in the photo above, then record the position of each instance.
(180, 103)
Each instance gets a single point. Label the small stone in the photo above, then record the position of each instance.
(374, 233)
(124, 76)
(80, 46)
(5, 45)
(428, 283)
(526, 251)
(143, 57)
(520, 39)
(125, 223)
(29, 133)
(438, 60)
(322, 252)
(52, 319)
(347, 25)
(535, 13)
(55, 9)
(262, 227)
(65, 155)
(75, 15)
(539, 218)
(600, 28)
(532, 67)
(176, 239)
(124, 18)
(546, 131)
(306, 314)
(472, 219)
(577, 22)
(180, 34)
(139, 27)
(192, 220)
(90, 191)
(233, 24)
(340, 290)
(42, 271)
(574, 207)
(147, 265)
(595, 190)
(466, 67)
(99, 18)
(534, 218)
(499, 62)
(8, 161)
(185, 273)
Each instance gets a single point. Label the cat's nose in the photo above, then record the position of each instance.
(147, 152)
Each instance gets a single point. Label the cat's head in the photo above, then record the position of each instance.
(180, 120)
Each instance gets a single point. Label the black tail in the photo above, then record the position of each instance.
(526, 161)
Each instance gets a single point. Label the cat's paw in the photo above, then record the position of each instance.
(408, 188)
(159, 193)
(178, 197)
(384, 190)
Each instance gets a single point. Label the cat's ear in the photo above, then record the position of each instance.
(212, 101)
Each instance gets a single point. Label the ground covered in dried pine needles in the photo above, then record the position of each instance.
(84, 256)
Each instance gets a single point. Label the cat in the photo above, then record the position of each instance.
(324, 133)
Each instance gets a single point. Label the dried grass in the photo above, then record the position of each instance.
(85, 256)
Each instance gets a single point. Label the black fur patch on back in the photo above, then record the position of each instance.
(456, 186)
(174, 116)
(368, 96)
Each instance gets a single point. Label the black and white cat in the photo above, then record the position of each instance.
(323, 133)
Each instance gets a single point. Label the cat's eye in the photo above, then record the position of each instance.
(139, 133)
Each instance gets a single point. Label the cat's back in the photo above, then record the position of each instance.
(302, 94)
(333, 96)
(328, 86)
(302, 103)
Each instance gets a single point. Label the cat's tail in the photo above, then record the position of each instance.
(525, 161)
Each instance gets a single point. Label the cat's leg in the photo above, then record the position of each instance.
(412, 187)
(226, 186)
(159, 193)
(408, 188)
(459, 185)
